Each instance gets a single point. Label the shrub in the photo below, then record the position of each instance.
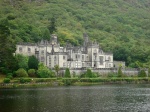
(44, 72)
(21, 73)
(9, 75)
(112, 74)
(89, 73)
(120, 74)
(67, 82)
(24, 80)
(4, 70)
(31, 73)
(6, 80)
(142, 73)
(67, 73)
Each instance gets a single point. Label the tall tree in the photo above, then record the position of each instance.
(52, 27)
(67, 73)
(7, 47)
(22, 61)
(33, 62)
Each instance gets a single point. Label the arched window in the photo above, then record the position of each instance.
(29, 49)
(109, 58)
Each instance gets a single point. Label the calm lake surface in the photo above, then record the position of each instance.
(102, 98)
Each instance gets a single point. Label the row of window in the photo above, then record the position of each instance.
(28, 49)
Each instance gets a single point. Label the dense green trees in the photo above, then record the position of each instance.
(33, 62)
(120, 26)
(22, 61)
(44, 72)
(7, 47)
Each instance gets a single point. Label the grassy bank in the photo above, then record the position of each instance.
(41, 82)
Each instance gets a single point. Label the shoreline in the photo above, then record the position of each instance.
(54, 82)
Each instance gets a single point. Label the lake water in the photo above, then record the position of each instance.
(102, 98)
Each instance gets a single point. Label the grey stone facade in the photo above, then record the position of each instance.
(89, 55)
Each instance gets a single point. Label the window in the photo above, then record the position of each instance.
(76, 56)
(109, 59)
(29, 50)
(20, 49)
(64, 64)
(54, 58)
(64, 57)
(79, 56)
(42, 59)
(109, 65)
(101, 60)
(42, 52)
(82, 57)
(82, 64)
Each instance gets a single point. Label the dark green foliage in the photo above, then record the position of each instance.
(52, 27)
(7, 46)
(69, 81)
(89, 73)
(33, 62)
(21, 73)
(149, 72)
(6, 80)
(22, 61)
(4, 70)
(112, 75)
(25, 80)
(142, 73)
(44, 79)
(9, 75)
(56, 67)
(120, 74)
(67, 73)
(44, 72)
(120, 26)
(31, 73)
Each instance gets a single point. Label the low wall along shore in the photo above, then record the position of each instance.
(105, 71)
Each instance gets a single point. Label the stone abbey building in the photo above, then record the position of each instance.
(89, 55)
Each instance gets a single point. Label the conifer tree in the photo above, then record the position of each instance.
(67, 73)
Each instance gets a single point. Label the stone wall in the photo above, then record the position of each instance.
(105, 71)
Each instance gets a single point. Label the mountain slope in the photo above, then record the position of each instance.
(120, 26)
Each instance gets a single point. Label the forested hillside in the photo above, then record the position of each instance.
(120, 26)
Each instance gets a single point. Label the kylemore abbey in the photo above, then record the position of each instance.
(89, 55)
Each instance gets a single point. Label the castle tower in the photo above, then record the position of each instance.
(53, 39)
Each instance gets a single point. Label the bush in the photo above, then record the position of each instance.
(44, 72)
(6, 80)
(9, 75)
(67, 73)
(67, 82)
(4, 70)
(21, 73)
(142, 73)
(31, 73)
(24, 80)
(120, 74)
(112, 75)
(89, 73)
(45, 79)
